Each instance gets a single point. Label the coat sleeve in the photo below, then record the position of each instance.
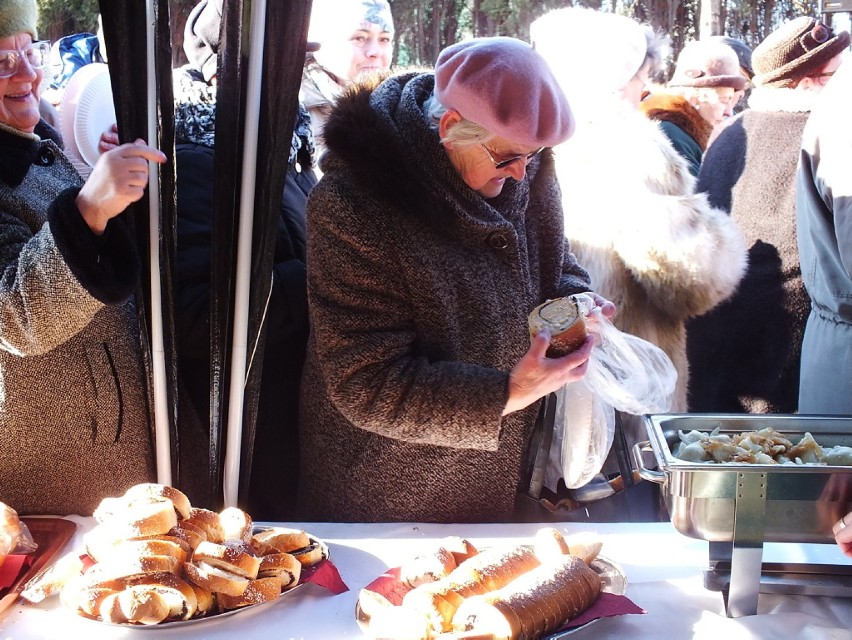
(54, 281)
(365, 334)
(686, 255)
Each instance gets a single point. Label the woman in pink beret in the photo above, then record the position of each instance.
(436, 229)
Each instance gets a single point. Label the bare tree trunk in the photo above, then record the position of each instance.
(710, 22)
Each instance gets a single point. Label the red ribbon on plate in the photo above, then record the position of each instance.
(11, 569)
(325, 574)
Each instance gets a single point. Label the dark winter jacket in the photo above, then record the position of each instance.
(683, 125)
(272, 489)
(74, 411)
(419, 293)
(750, 346)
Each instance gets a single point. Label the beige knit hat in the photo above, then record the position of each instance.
(18, 16)
(794, 50)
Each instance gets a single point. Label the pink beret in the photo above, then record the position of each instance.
(504, 85)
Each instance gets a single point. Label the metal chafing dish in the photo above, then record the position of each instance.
(737, 507)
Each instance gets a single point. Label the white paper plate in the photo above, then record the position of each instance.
(95, 115)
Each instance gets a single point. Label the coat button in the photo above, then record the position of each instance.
(46, 156)
(498, 241)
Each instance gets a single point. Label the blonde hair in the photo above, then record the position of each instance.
(464, 133)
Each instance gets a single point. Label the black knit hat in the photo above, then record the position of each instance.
(795, 50)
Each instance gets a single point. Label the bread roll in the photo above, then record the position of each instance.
(178, 597)
(137, 518)
(236, 558)
(280, 540)
(283, 566)
(486, 571)
(208, 521)
(427, 567)
(125, 567)
(236, 525)
(310, 555)
(191, 533)
(215, 579)
(565, 321)
(126, 549)
(206, 602)
(257, 592)
(585, 546)
(50, 580)
(534, 604)
(153, 490)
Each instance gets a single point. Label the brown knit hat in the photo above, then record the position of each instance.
(795, 50)
(18, 16)
(707, 63)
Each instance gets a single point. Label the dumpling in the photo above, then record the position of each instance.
(838, 455)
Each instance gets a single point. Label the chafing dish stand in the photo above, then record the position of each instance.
(737, 569)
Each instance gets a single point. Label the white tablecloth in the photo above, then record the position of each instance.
(663, 568)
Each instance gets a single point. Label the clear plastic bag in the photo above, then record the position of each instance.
(15, 536)
(584, 428)
(624, 373)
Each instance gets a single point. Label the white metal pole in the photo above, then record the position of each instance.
(163, 447)
(239, 345)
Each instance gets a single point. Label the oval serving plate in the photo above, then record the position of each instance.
(212, 618)
(612, 576)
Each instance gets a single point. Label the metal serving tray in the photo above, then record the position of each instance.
(797, 503)
(737, 507)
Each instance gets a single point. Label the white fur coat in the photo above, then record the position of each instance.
(652, 246)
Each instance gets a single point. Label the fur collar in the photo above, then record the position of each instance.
(380, 135)
(781, 99)
(19, 150)
(674, 108)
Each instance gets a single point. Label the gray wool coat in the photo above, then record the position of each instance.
(824, 225)
(74, 419)
(419, 292)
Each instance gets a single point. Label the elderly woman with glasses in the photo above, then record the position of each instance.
(434, 232)
(73, 409)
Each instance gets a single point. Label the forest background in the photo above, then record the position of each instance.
(424, 27)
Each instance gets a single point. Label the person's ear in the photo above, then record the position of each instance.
(450, 118)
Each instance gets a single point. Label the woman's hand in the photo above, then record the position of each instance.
(109, 139)
(607, 308)
(536, 375)
(842, 531)
(118, 179)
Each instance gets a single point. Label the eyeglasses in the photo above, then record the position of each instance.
(37, 56)
(502, 164)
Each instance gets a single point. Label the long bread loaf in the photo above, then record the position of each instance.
(534, 604)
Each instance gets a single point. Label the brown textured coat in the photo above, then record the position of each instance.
(419, 292)
(74, 420)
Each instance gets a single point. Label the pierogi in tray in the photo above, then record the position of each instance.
(766, 446)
